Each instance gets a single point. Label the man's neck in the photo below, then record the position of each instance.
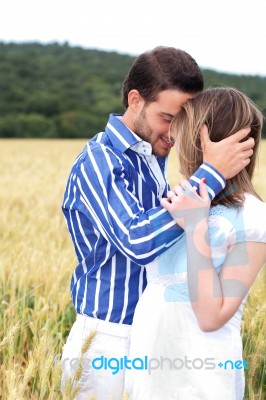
(128, 120)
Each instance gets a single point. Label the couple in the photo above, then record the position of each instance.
(120, 230)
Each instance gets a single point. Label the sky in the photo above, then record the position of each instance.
(227, 36)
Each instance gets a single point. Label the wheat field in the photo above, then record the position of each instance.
(36, 262)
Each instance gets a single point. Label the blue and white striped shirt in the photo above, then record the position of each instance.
(117, 225)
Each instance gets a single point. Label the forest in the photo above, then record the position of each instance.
(59, 91)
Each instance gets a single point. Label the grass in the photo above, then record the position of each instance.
(36, 263)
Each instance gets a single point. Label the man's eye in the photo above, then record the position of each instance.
(167, 118)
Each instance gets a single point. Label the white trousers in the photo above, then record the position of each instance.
(96, 374)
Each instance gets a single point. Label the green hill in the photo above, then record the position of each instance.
(61, 91)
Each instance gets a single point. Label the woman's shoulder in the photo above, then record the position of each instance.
(253, 201)
(254, 217)
(254, 211)
(246, 223)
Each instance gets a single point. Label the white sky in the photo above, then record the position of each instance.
(225, 35)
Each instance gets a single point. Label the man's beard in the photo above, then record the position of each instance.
(141, 127)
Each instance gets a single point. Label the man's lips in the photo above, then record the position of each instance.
(168, 141)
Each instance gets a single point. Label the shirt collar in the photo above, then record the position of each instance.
(123, 138)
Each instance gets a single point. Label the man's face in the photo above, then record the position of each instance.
(153, 120)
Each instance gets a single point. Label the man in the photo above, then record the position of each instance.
(113, 213)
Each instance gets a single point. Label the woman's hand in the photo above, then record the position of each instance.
(185, 205)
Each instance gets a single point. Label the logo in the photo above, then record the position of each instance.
(149, 364)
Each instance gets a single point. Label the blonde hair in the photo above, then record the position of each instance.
(224, 111)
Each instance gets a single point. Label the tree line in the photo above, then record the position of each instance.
(59, 91)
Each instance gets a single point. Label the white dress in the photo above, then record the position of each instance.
(172, 358)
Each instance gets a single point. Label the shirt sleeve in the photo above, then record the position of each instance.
(100, 194)
(214, 180)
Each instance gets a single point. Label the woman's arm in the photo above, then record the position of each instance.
(214, 297)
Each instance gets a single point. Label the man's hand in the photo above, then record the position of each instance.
(228, 156)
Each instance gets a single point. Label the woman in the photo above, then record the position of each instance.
(186, 328)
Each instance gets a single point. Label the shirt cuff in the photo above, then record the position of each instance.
(214, 180)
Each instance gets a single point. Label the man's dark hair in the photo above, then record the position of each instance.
(160, 69)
